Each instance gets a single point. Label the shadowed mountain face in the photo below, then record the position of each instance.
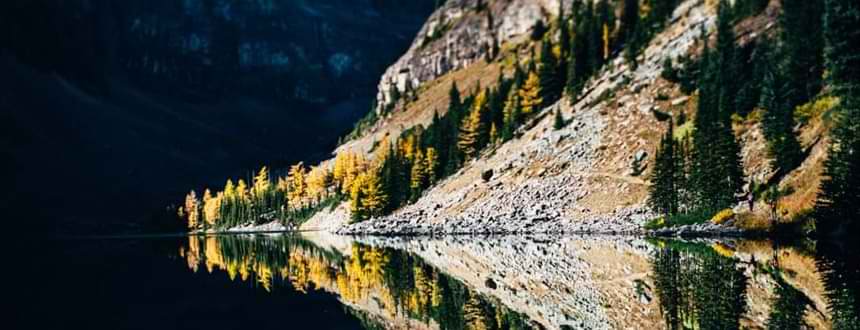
(116, 108)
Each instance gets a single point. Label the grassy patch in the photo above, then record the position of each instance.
(804, 112)
(691, 218)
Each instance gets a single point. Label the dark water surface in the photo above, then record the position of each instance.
(320, 281)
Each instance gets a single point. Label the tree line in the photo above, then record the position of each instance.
(570, 51)
(701, 174)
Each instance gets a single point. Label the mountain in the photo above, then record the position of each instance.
(113, 109)
(594, 173)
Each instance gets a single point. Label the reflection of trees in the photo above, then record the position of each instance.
(400, 283)
(698, 288)
(841, 272)
(788, 307)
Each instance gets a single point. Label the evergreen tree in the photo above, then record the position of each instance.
(563, 38)
(663, 193)
(778, 120)
(581, 65)
(558, 121)
(716, 171)
(629, 22)
(803, 48)
(512, 113)
(551, 79)
(837, 208)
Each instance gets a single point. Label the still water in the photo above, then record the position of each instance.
(322, 281)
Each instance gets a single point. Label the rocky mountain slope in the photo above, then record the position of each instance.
(578, 178)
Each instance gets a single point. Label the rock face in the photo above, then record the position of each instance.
(458, 34)
(573, 180)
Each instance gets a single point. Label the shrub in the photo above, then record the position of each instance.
(723, 216)
(804, 112)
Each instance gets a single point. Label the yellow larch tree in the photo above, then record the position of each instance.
(192, 209)
(297, 189)
(419, 173)
(432, 162)
(530, 100)
(494, 133)
(242, 190)
(229, 190)
(319, 179)
(261, 183)
(211, 206)
(374, 198)
(472, 127)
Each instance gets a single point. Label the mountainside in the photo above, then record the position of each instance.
(592, 174)
(139, 100)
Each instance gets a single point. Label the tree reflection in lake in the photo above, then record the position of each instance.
(519, 282)
(386, 283)
(710, 287)
(698, 287)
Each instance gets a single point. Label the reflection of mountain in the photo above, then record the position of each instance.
(382, 285)
(138, 101)
(547, 282)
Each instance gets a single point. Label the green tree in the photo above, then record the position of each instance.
(549, 73)
(558, 121)
(663, 192)
(837, 209)
(778, 121)
(803, 48)
(716, 171)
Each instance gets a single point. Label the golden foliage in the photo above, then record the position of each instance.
(296, 186)
(419, 171)
(432, 162)
(319, 179)
(261, 183)
(470, 130)
(812, 109)
(723, 216)
(191, 209)
(529, 94)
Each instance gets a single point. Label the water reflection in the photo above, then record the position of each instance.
(548, 282)
(381, 285)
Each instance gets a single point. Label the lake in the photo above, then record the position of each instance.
(322, 281)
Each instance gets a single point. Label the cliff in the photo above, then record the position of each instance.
(579, 178)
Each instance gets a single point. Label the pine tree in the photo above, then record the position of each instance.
(192, 210)
(558, 122)
(494, 133)
(778, 120)
(512, 114)
(432, 165)
(472, 128)
(530, 94)
(801, 38)
(373, 198)
(663, 193)
(551, 80)
(837, 209)
(356, 197)
(629, 22)
(418, 176)
(563, 39)
(297, 187)
(716, 167)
